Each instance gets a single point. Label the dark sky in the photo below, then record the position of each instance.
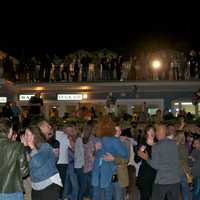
(122, 28)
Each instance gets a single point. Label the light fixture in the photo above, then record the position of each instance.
(156, 64)
(39, 88)
(186, 103)
(85, 87)
(85, 96)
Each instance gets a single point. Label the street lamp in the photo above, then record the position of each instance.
(156, 64)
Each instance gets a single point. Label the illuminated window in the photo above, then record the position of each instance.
(187, 106)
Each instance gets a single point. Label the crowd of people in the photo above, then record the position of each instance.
(174, 65)
(100, 160)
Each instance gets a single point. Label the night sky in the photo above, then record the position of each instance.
(123, 28)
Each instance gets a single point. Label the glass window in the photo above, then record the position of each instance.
(187, 106)
(198, 108)
(152, 111)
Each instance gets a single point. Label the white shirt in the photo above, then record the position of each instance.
(44, 184)
(64, 143)
(79, 154)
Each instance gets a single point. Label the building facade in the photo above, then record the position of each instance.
(130, 96)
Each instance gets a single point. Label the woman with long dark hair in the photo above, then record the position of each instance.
(44, 174)
(146, 174)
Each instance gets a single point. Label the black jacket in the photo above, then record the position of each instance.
(146, 174)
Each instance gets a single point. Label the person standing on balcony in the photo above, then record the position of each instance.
(104, 65)
(193, 63)
(76, 69)
(85, 67)
(119, 67)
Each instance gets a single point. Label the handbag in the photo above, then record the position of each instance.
(188, 176)
(114, 178)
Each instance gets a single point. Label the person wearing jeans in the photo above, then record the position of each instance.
(118, 191)
(105, 167)
(88, 189)
(62, 163)
(183, 158)
(102, 193)
(195, 159)
(80, 178)
(185, 188)
(78, 165)
(12, 196)
(71, 189)
(196, 189)
(89, 155)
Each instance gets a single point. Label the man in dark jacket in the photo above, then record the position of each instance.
(14, 165)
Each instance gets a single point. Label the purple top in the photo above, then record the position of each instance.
(189, 147)
(70, 155)
(89, 151)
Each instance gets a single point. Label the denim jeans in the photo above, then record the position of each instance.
(71, 188)
(11, 196)
(185, 190)
(80, 177)
(62, 168)
(196, 189)
(102, 193)
(87, 185)
(118, 191)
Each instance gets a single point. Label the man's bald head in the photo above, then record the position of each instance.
(161, 131)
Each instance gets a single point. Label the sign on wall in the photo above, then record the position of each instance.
(25, 97)
(69, 97)
(3, 99)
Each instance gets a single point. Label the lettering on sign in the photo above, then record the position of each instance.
(69, 97)
(3, 99)
(25, 97)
